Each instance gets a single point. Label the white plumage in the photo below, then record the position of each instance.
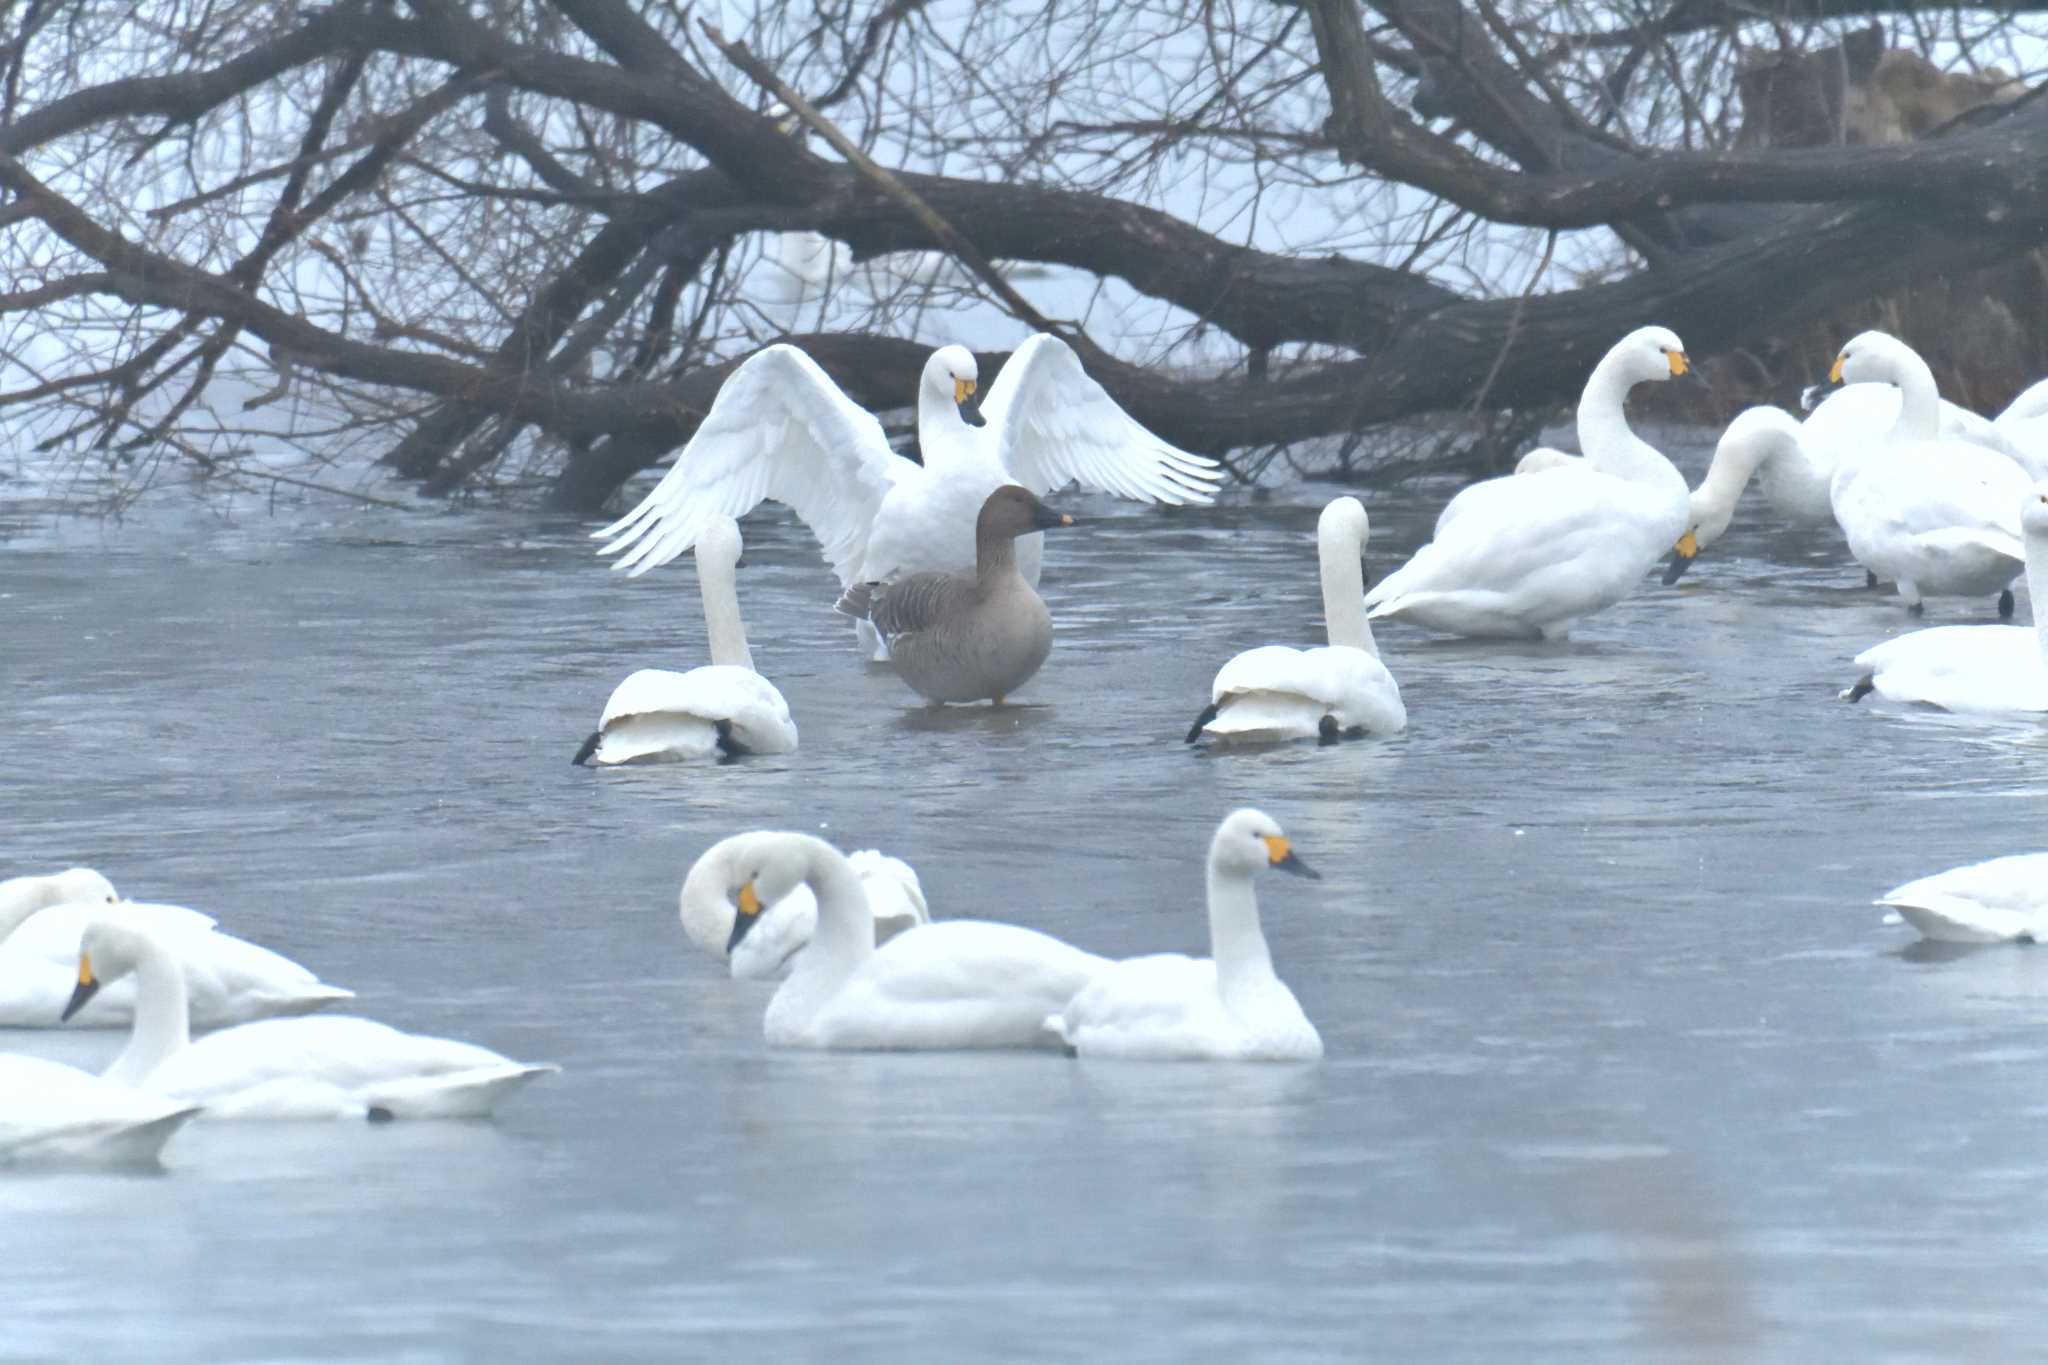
(1999, 900)
(1341, 689)
(56, 1114)
(1227, 1007)
(895, 902)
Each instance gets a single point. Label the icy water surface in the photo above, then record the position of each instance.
(1622, 1064)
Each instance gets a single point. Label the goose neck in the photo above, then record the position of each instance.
(161, 1028)
(1344, 593)
(725, 633)
(995, 558)
(1236, 941)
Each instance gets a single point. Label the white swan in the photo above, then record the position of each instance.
(1758, 439)
(951, 984)
(895, 902)
(1228, 1007)
(720, 709)
(1935, 515)
(1340, 690)
(2001, 900)
(781, 429)
(1984, 669)
(1525, 555)
(227, 979)
(52, 1113)
(2023, 426)
(317, 1067)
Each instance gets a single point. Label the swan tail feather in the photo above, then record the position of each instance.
(452, 1095)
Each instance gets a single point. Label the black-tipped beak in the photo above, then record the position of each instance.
(970, 411)
(86, 990)
(1293, 863)
(1046, 518)
(1675, 567)
(746, 909)
(1813, 395)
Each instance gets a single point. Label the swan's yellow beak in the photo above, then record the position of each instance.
(1679, 363)
(1682, 555)
(963, 389)
(88, 986)
(1281, 854)
(1688, 544)
(1835, 374)
(746, 904)
(749, 900)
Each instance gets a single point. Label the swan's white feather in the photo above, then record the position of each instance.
(54, 1113)
(661, 713)
(1278, 692)
(1998, 900)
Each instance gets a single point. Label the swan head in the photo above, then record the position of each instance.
(1249, 841)
(734, 881)
(1650, 353)
(1344, 522)
(2034, 514)
(80, 884)
(107, 951)
(1871, 357)
(1014, 510)
(719, 544)
(951, 374)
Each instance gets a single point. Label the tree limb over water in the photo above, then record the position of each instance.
(516, 243)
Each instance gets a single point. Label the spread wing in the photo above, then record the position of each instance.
(779, 429)
(1054, 424)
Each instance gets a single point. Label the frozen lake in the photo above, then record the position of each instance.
(1622, 1064)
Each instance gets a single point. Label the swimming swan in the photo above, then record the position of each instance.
(1523, 556)
(2001, 900)
(1935, 515)
(1340, 690)
(52, 1113)
(721, 709)
(228, 980)
(781, 429)
(948, 985)
(1986, 669)
(1229, 1007)
(961, 635)
(311, 1068)
(895, 901)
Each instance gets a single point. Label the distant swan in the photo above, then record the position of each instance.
(311, 1068)
(780, 429)
(227, 979)
(1935, 515)
(895, 901)
(952, 984)
(1339, 690)
(1526, 555)
(2000, 900)
(1986, 669)
(1229, 1007)
(721, 709)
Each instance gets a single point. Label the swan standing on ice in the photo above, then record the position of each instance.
(780, 429)
(963, 635)
(311, 1068)
(1525, 555)
(1338, 691)
(227, 979)
(952, 984)
(1229, 1007)
(2001, 900)
(1986, 669)
(1935, 515)
(895, 902)
(723, 708)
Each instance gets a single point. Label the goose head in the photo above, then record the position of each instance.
(1013, 511)
(1249, 841)
(107, 951)
(950, 376)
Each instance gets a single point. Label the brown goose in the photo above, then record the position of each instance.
(965, 634)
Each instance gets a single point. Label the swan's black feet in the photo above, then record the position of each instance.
(1916, 608)
(1328, 731)
(1195, 730)
(728, 747)
(1869, 579)
(2005, 605)
(1863, 688)
(379, 1114)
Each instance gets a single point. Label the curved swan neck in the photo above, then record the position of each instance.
(1235, 938)
(725, 634)
(1734, 464)
(161, 1025)
(23, 901)
(1344, 593)
(845, 936)
(1604, 434)
(1919, 401)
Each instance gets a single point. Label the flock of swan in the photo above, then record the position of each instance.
(938, 565)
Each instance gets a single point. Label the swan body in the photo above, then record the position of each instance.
(780, 429)
(1937, 516)
(52, 1113)
(302, 1068)
(1340, 689)
(228, 980)
(2023, 427)
(1979, 669)
(1526, 555)
(954, 984)
(719, 710)
(894, 896)
(2000, 900)
(1228, 1007)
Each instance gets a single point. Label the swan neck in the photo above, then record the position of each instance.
(940, 429)
(1605, 437)
(1919, 401)
(2037, 585)
(845, 934)
(161, 1028)
(18, 905)
(1236, 941)
(1344, 593)
(1734, 464)
(725, 633)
